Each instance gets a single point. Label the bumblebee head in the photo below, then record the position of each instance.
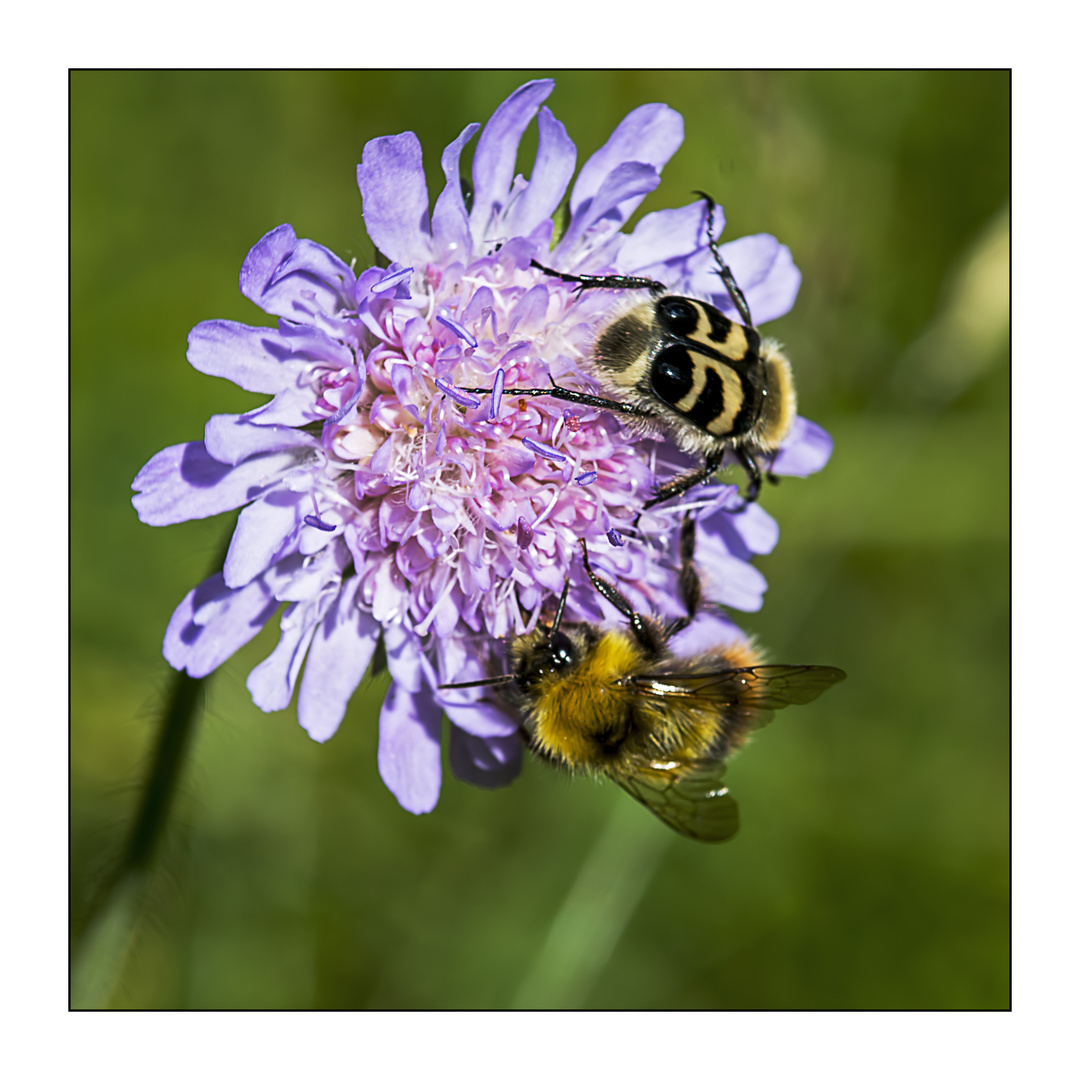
(543, 653)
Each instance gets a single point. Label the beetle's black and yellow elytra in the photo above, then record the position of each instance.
(703, 380)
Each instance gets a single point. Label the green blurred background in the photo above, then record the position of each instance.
(872, 866)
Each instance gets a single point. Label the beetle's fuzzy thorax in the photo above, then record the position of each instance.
(780, 404)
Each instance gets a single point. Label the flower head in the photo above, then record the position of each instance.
(383, 500)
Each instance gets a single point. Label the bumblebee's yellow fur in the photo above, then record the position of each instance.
(592, 718)
(566, 710)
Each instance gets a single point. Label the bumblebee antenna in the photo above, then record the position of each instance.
(495, 681)
(726, 276)
(560, 609)
(498, 680)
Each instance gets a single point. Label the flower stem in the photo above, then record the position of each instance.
(185, 700)
(103, 941)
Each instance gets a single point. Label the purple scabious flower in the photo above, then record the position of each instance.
(383, 501)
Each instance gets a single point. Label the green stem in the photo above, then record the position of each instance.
(103, 941)
(177, 731)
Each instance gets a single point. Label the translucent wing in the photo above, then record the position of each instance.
(687, 796)
(752, 690)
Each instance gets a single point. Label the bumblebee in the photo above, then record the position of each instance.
(679, 368)
(619, 703)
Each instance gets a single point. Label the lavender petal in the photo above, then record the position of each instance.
(450, 219)
(763, 269)
(650, 134)
(496, 153)
(806, 449)
(479, 718)
(667, 244)
(181, 483)
(390, 282)
(516, 460)
(295, 279)
(271, 682)
(410, 726)
(728, 580)
(486, 763)
(629, 182)
(263, 260)
(756, 528)
(556, 157)
(391, 179)
(340, 653)
(200, 645)
(232, 439)
(254, 357)
(347, 407)
(266, 531)
(290, 408)
(403, 657)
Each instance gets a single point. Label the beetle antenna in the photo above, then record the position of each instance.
(726, 276)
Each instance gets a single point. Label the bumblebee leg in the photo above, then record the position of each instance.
(684, 482)
(689, 581)
(644, 631)
(726, 276)
(603, 281)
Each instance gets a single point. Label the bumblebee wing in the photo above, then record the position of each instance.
(687, 796)
(754, 691)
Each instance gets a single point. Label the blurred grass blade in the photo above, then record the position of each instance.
(970, 331)
(103, 941)
(105, 944)
(596, 910)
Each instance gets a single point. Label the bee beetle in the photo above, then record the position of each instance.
(680, 368)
